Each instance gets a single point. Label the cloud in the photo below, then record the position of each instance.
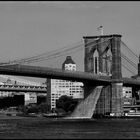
(69, 4)
(57, 4)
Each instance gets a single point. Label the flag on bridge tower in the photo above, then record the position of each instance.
(100, 29)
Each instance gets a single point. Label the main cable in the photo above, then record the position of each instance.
(33, 59)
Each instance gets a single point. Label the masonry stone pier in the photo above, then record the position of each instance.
(108, 62)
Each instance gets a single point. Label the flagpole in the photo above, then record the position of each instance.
(100, 29)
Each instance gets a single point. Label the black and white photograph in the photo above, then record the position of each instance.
(69, 69)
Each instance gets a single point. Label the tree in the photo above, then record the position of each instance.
(44, 108)
(66, 103)
(34, 108)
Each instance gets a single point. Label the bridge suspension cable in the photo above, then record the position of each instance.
(42, 56)
(53, 54)
(130, 62)
(128, 67)
(124, 45)
(65, 52)
(129, 52)
(123, 64)
(127, 63)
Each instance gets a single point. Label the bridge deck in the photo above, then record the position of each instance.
(46, 72)
(131, 82)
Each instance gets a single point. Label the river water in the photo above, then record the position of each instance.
(43, 128)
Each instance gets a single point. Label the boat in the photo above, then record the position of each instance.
(52, 115)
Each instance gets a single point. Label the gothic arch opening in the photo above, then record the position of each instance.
(96, 62)
(106, 61)
(109, 62)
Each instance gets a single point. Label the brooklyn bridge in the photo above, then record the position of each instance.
(102, 76)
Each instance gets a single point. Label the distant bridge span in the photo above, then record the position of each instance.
(23, 88)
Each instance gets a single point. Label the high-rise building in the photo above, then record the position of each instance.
(127, 95)
(56, 87)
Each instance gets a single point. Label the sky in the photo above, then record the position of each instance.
(29, 28)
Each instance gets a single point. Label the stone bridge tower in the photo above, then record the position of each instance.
(103, 57)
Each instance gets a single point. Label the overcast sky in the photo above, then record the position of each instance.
(31, 28)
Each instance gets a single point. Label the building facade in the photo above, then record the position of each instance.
(26, 97)
(56, 87)
(127, 96)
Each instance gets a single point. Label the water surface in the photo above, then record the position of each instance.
(43, 128)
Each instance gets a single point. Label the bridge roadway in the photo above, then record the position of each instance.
(47, 72)
(23, 88)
